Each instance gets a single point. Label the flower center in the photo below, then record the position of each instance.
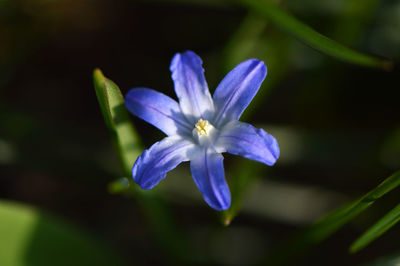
(204, 132)
(202, 127)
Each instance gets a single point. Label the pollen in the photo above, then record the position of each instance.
(202, 127)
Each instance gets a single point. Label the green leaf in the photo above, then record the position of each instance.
(384, 224)
(129, 148)
(329, 224)
(30, 237)
(309, 36)
(117, 120)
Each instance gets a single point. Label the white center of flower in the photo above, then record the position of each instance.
(204, 132)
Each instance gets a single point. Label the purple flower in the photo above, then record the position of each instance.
(199, 128)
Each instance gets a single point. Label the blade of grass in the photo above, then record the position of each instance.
(310, 37)
(129, 146)
(329, 224)
(375, 231)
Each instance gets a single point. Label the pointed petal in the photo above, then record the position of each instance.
(208, 173)
(157, 109)
(245, 140)
(152, 166)
(191, 86)
(237, 90)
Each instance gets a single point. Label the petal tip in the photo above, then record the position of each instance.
(175, 60)
(143, 181)
(273, 147)
(190, 53)
(256, 63)
(186, 55)
(263, 67)
(138, 173)
(221, 206)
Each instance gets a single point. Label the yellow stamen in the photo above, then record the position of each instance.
(202, 127)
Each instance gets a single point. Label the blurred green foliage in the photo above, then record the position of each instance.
(310, 37)
(337, 125)
(30, 237)
(332, 222)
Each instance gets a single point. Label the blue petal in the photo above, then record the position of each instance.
(152, 166)
(245, 140)
(208, 173)
(157, 109)
(191, 86)
(237, 90)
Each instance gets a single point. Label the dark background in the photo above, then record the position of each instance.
(337, 124)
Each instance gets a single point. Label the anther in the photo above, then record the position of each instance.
(202, 127)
